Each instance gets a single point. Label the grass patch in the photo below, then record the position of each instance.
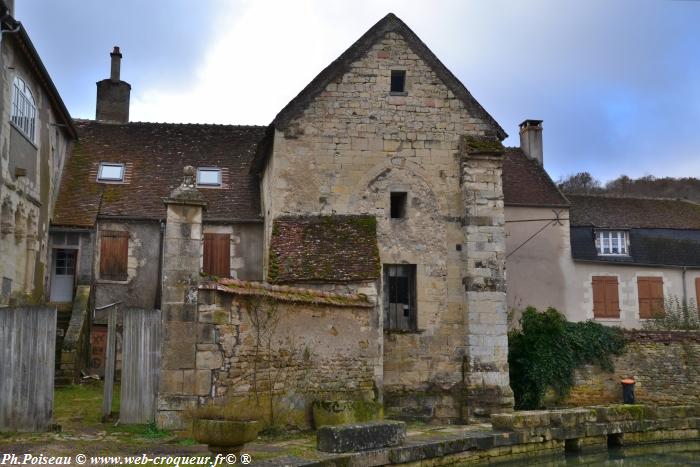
(150, 430)
(80, 406)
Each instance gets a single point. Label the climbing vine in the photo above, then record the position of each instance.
(545, 352)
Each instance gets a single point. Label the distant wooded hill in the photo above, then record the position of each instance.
(649, 186)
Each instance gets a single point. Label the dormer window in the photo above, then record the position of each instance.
(110, 172)
(209, 177)
(398, 81)
(612, 242)
(23, 113)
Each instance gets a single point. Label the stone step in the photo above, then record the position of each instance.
(360, 436)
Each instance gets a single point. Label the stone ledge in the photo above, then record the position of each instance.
(361, 437)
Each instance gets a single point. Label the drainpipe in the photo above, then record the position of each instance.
(159, 291)
(685, 291)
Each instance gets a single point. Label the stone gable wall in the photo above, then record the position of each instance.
(352, 146)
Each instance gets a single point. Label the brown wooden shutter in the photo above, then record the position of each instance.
(114, 255)
(217, 254)
(606, 302)
(650, 291)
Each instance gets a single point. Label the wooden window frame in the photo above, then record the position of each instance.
(120, 273)
(219, 266)
(610, 308)
(648, 301)
(604, 241)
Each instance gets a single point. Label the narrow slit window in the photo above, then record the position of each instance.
(398, 80)
(398, 204)
(110, 172)
(209, 177)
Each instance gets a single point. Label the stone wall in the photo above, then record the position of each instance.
(317, 351)
(351, 146)
(665, 366)
(30, 173)
(139, 290)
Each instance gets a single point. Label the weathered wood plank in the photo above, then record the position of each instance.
(140, 365)
(110, 362)
(27, 354)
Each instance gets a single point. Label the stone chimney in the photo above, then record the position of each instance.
(531, 139)
(113, 94)
(10, 4)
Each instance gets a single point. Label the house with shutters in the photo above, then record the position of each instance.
(614, 260)
(384, 178)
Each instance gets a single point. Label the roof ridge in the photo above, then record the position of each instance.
(194, 124)
(645, 198)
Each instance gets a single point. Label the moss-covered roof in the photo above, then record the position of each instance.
(287, 294)
(324, 249)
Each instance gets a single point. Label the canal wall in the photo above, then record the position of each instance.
(664, 364)
(533, 436)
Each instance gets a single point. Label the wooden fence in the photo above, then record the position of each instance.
(27, 356)
(140, 365)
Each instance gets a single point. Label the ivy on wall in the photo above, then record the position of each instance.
(547, 349)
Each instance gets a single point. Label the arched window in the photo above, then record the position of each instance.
(23, 108)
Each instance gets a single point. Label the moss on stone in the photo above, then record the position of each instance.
(339, 412)
(483, 144)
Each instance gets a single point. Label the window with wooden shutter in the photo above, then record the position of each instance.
(651, 296)
(114, 255)
(217, 254)
(606, 301)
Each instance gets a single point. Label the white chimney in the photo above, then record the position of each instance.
(531, 139)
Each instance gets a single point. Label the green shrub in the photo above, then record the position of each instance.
(547, 349)
(676, 315)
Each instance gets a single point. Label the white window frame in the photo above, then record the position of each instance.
(23, 110)
(102, 179)
(209, 169)
(605, 240)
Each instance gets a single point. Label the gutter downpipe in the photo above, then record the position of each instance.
(159, 291)
(685, 290)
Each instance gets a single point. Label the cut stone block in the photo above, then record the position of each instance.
(361, 436)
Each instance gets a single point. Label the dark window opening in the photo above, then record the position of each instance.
(398, 204)
(398, 81)
(400, 297)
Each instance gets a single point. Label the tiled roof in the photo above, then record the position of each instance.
(287, 294)
(526, 183)
(655, 247)
(154, 155)
(324, 249)
(622, 213)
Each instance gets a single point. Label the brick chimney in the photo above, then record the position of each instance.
(113, 94)
(531, 139)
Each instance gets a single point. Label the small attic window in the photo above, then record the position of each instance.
(398, 81)
(209, 177)
(110, 172)
(398, 204)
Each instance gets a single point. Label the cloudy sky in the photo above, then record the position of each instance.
(617, 83)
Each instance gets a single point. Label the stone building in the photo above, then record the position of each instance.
(36, 132)
(381, 179)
